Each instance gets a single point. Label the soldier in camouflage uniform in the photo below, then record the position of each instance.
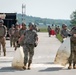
(30, 36)
(64, 32)
(16, 36)
(11, 34)
(3, 32)
(21, 32)
(72, 57)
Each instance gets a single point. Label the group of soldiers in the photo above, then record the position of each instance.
(27, 38)
(53, 30)
(65, 32)
(72, 34)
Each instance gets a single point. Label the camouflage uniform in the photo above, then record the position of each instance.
(72, 57)
(16, 37)
(49, 29)
(11, 34)
(21, 32)
(64, 32)
(30, 38)
(3, 32)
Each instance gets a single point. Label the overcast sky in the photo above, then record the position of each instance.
(53, 9)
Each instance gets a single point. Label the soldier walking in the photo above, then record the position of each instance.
(21, 32)
(72, 58)
(16, 36)
(64, 32)
(30, 36)
(49, 30)
(11, 34)
(3, 32)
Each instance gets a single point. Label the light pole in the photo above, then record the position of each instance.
(23, 12)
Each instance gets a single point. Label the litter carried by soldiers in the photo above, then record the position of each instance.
(63, 53)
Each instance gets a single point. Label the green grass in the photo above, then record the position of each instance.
(43, 30)
(59, 37)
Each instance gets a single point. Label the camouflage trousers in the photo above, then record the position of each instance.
(72, 58)
(15, 42)
(28, 53)
(2, 42)
(11, 41)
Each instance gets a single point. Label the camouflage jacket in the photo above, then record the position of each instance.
(3, 31)
(30, 37)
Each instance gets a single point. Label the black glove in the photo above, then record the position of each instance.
(69, 35)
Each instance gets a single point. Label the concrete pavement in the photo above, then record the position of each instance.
(42, 62)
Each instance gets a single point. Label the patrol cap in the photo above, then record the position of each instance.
(1, 21)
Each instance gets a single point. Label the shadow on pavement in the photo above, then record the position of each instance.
(9, 69)
(49, 63)
(51, 69)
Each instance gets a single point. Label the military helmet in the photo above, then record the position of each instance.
(31, 24)
(23, 24)
(64, 25)
(1, 21)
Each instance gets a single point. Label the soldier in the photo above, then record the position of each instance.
(49, 30)
(64, 32)
(11, 34)
(30, 36)
(21, 32)
(72, 57)
(3, 32)
(57, 30)
(16, 35)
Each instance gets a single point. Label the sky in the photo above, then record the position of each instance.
(53, 9)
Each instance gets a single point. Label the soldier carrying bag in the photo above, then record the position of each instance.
(73, 38)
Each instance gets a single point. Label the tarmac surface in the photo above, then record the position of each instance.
(43, 60)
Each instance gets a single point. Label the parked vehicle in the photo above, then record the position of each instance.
(9, 19)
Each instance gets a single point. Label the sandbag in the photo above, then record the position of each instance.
(63, 53)
(18, 60)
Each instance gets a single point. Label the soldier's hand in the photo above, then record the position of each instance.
(74, 35)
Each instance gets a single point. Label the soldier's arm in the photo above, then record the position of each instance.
(9, 32)
(36, 36)
(5, 31)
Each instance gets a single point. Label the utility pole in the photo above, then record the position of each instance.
(23, 12)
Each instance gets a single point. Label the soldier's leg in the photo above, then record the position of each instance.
(0, 48)
(31, 53)
(25, 50)
(10, 41)
(13, 42)
(71, 56)
(70, 62)
(3, 46)
(74, 60)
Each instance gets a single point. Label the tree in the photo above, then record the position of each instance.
(73, 18)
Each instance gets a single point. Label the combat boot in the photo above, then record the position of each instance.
(70, 67)
(29, 66)
(4, 53)
(74, 67)
(24, 67)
